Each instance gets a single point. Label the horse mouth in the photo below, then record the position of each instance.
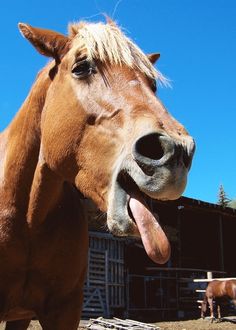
(129, 215)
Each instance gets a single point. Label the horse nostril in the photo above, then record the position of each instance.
(186, 159)
(149, 152)
(154, 150)
(149, 146)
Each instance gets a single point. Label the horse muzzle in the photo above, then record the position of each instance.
(163, 164)
(157, 167)
(154, 150)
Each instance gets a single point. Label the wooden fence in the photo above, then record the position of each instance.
(105, 284)
(111, 289)
(164, 292)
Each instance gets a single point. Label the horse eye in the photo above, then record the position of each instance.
(83, 69)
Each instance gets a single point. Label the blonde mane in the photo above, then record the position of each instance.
(107, 42)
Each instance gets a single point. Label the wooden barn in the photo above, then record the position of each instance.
(122, 281)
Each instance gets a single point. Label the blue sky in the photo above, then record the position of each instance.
(197, 42)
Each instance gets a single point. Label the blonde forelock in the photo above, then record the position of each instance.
(106, 42)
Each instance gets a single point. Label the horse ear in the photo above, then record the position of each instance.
(153, 57)
(47, 42)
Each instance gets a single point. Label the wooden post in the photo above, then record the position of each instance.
(209, 275)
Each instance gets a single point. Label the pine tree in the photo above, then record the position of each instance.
(223, 200)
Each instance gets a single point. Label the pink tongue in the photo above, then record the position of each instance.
(154, 239)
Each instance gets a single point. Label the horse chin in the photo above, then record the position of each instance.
(120, 221)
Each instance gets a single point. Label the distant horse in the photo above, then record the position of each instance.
(216, 291)
(91, 126)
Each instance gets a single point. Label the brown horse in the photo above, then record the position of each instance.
(93, 126)
(216, 291)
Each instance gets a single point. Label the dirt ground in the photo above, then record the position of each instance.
(196, 325)
(177, 325)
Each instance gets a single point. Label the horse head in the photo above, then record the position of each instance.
(104, 130)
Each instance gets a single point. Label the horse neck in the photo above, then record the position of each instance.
(22, 146)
